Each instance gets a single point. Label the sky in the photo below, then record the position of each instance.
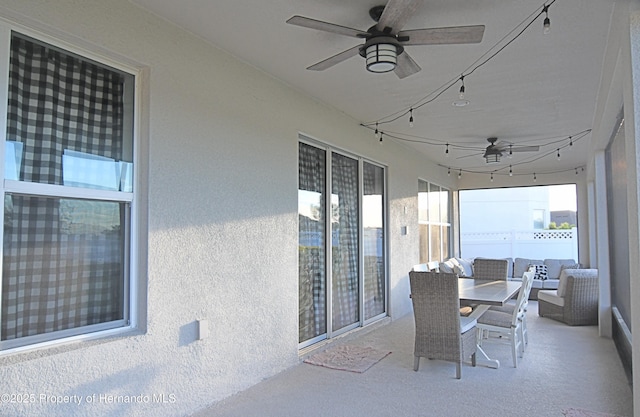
(562, 197)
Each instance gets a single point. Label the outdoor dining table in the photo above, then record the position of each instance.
(486, 293)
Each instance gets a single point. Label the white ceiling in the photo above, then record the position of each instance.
(539, 90)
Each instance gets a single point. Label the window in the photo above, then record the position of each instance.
(538, 218)
(434, 222)
(68, 189)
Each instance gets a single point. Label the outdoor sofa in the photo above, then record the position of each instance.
(547, 276)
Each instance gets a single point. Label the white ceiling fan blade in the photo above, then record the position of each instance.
(336, 59)
(326, 26)
(443, 36)
(396, 13)
(406, 66)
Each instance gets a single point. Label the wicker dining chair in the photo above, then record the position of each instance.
(493, 269)
(440, 332)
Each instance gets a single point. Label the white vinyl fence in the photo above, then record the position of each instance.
(531, 244)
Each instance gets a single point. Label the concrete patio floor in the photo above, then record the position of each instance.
(563, 368)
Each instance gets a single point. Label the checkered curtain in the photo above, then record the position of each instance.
(57, 277)
(311, 252)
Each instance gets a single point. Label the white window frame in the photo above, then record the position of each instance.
(135, 301)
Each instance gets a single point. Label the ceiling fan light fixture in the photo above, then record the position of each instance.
(381, 57)
(492, 156)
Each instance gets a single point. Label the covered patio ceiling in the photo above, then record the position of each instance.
(523, 87)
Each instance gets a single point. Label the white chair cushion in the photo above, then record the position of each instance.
(467, 324)
(551, 296)
(550, 284)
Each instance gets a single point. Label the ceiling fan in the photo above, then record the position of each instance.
(494, 152)
(384, 43)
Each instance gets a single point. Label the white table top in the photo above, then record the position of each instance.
(487, 292)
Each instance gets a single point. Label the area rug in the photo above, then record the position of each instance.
(348, 358)
(579, 412)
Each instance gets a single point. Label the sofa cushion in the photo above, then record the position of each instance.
(550, 284)
(447, 267)
(554, 266)
(540, 272)
(521, 265)
(463, 267)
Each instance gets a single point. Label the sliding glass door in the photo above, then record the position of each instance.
(342, 250)
(345, 226)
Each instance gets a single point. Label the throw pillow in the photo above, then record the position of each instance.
(540, 273)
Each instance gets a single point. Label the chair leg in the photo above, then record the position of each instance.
(514, 347)
(473, 359)
(416, 363)
(458, 370)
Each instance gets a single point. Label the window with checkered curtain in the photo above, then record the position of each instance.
(65, 253)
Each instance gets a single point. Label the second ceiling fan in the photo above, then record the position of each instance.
(384, 43)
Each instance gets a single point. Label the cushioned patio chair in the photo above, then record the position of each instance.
(441, 333)
(575, 302)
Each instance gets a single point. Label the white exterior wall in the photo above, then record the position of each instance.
(501, 209)
(221, 143)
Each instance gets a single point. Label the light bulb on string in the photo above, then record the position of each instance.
(510, 171)
(492, 177)
(510, 151)
(570, 141)
(410, 117)
(446, 151)
(558, 155)
(462, 89)
(546, 26)
(534, 177)
(377, 133)
(449, 171)
(576, 171)
(460, 174)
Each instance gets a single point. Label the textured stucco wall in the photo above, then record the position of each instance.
(222, 221)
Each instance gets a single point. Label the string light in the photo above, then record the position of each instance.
(534, 177)
(377, 134)
(497, 48)
(460, 174)
(446, 151)
(546, 26)
(576, 171)
(411, 118)
(462, 88)
(510, 171)
(558, 153)
(381, 133)
(570, 141)
(449, 171)
(492, 177)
